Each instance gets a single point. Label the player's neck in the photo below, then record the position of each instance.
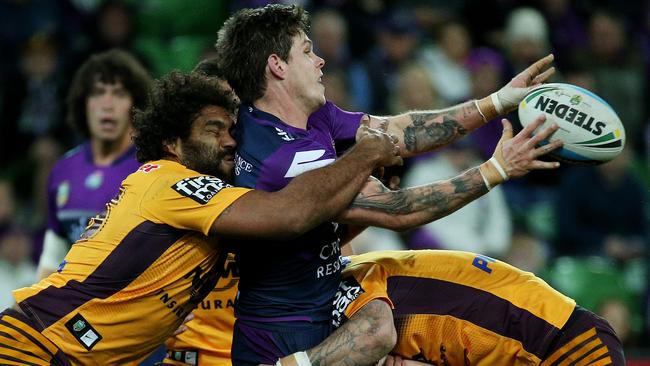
(105, 152)
(284, 106)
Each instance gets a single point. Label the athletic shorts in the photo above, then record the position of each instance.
(22, 344)
(586, 339)
(255, 343)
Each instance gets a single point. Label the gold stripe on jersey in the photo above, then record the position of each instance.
(569, 346)
(138, 270)
(20, 344)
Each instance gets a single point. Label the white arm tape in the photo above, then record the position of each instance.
(480, 111)
(497, 103)
(499, 168)
(54, 250)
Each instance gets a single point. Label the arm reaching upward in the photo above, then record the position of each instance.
(421, 131)
(406, 208)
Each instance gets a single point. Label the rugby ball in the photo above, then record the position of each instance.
(591, 130)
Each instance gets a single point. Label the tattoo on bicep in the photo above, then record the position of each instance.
(425, 134)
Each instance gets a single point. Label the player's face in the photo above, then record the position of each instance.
(210, 149)
(108, 111)
(305, 73)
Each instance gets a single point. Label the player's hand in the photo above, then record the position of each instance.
(516, 156)
(182, 328)
(378, 143)
(508, 97)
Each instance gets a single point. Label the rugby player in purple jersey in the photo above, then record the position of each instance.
(286, 127)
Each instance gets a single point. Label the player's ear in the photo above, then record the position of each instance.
(276, 66)
(173, 148)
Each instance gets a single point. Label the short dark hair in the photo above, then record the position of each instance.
(109, 67)
(249, 36)
(209, 67)
(173, 104)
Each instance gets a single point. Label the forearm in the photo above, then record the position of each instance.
(421, 131)
(411, 207)
(320, 194)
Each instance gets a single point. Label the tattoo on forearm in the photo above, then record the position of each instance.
(425, 133)
(436, 199)
(356, 342)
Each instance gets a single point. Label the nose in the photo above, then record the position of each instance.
(107, 101)
(228, 141)
(320, 62)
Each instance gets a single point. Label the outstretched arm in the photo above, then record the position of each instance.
(406, 208)
(312, 197)
(421, 131)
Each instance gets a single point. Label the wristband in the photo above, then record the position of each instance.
(497, 103)
(485, 180)
(499, 168)
(298, 358)
(480, 111)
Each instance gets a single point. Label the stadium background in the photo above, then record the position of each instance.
(382, 56)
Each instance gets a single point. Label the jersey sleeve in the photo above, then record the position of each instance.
(189, 203)
(371, 281)
(343, 124)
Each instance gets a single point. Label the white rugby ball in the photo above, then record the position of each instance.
(591, 130)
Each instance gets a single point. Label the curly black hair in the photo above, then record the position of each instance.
(249, 36)
(172, 106)
(108, 67)
(209, 67)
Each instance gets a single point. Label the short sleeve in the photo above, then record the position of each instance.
(371, 281)
(189, 203)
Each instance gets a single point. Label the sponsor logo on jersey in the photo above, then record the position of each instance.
(62, 193)
(242, 164)
(83, 331)
(305, 161)
(94, 180)
(349, 290)
(284, 135)
(200, 189)
(146, 168)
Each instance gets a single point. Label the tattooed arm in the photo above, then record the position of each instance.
(421, 131)
(376, 205)
(406, 208)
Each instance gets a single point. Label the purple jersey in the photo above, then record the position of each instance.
(295, 280)
(78, 189)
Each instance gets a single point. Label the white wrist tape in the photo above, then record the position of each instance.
(497, 103)
(480, 111)
(487, 184)
(499, 168)
(301, 359)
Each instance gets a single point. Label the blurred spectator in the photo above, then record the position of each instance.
(527, 252)
(32, 108)
(330, 37)
(445, 61)
(100, 100)
(486, 70)
(525, 38)
(16, 267)
(7, 204)
(413, 90)
(567, 32)
(482, 226)
(398, 41)
(618, 314)
(600, 211)
(618, 71)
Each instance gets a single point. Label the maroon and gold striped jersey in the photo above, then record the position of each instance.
(138, 269)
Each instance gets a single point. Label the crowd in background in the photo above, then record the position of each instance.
(583, 229)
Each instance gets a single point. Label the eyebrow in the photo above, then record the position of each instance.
(215, 122)
(308, 42)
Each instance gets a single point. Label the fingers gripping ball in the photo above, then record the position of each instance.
(590, 128)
